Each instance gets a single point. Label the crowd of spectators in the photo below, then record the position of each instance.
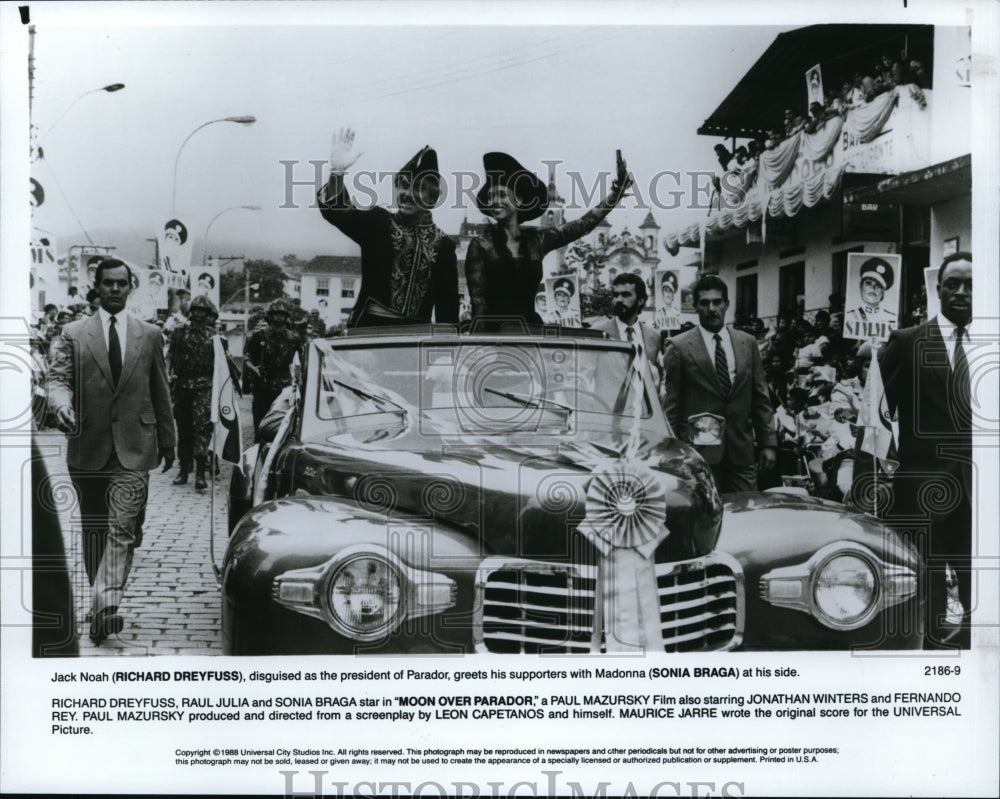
(860, 88)
(816, 378)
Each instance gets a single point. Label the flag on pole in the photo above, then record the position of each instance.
(226, 428)
(879, 428)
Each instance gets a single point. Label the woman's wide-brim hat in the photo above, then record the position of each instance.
(528, 193)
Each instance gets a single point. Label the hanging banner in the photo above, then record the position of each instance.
(43, 251)
(872, 304)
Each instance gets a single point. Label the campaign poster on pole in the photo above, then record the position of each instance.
(668, 300)
(205, 283)
(174, 247)
(871, 307)
(563, 299)
(150, 293)
(814, 85)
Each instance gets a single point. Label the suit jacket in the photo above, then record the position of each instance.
(650, 341)
(693, 388)
(935, 423)
(134, 418)
(411, 269)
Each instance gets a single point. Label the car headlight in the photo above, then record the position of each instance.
(843, 585)
(364, 592)
(846, 589)
(365, 596)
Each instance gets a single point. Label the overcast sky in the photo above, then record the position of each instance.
(537, 92)
(624, 76)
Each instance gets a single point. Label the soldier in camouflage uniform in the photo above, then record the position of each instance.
(269, 357)
(192, 363)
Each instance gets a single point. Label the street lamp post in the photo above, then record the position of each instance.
(226, 210)
(240, 120)
(111, 87)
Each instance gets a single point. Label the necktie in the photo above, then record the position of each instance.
(114, 352)
(634, 341)
(636, 387)
(721, 365)
(962, 384)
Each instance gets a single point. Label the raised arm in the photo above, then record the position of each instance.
(333, 199)
(554, 238)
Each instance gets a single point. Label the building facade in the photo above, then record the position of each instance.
(891, 174)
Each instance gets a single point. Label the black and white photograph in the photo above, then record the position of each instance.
(872, 301)
(668, 300)
(400, 401)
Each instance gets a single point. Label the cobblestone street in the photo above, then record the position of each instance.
(172, 600)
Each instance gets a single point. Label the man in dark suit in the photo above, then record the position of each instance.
(714, 378)
(108, 388)
(927, 384)
(629, 298)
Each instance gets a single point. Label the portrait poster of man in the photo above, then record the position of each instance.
(871, 308)
(668, 300)
(87, 268)
(205, 283)
(175, 246)
(563, 300)
(814, 85)
(150, 294)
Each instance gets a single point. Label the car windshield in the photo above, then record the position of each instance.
(481, 387)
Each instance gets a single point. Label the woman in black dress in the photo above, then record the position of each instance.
(503, 265)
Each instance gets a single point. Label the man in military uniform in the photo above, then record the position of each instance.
(180, 317)
(562, 291)
(667, 315)
(269, 357)
(871, 319)
(192, 361)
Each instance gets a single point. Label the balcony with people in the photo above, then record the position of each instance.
(799, 141)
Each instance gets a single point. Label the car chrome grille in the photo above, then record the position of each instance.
(526, 606)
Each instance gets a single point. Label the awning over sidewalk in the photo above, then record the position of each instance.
(932, 184)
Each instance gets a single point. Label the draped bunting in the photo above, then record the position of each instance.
(817, 146)
(777, 164)
(866, 121)
(781, 202)
(774, 195)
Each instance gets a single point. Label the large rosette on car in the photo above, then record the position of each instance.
(626, 511)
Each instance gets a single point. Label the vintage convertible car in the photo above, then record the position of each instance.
(435, 492)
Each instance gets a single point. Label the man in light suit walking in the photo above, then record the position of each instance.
(714, 378)
(108, 388)
(629, 298)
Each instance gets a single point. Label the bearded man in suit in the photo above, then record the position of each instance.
(629, 297)
(927, 384)
(715, 392)
(108, 388)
